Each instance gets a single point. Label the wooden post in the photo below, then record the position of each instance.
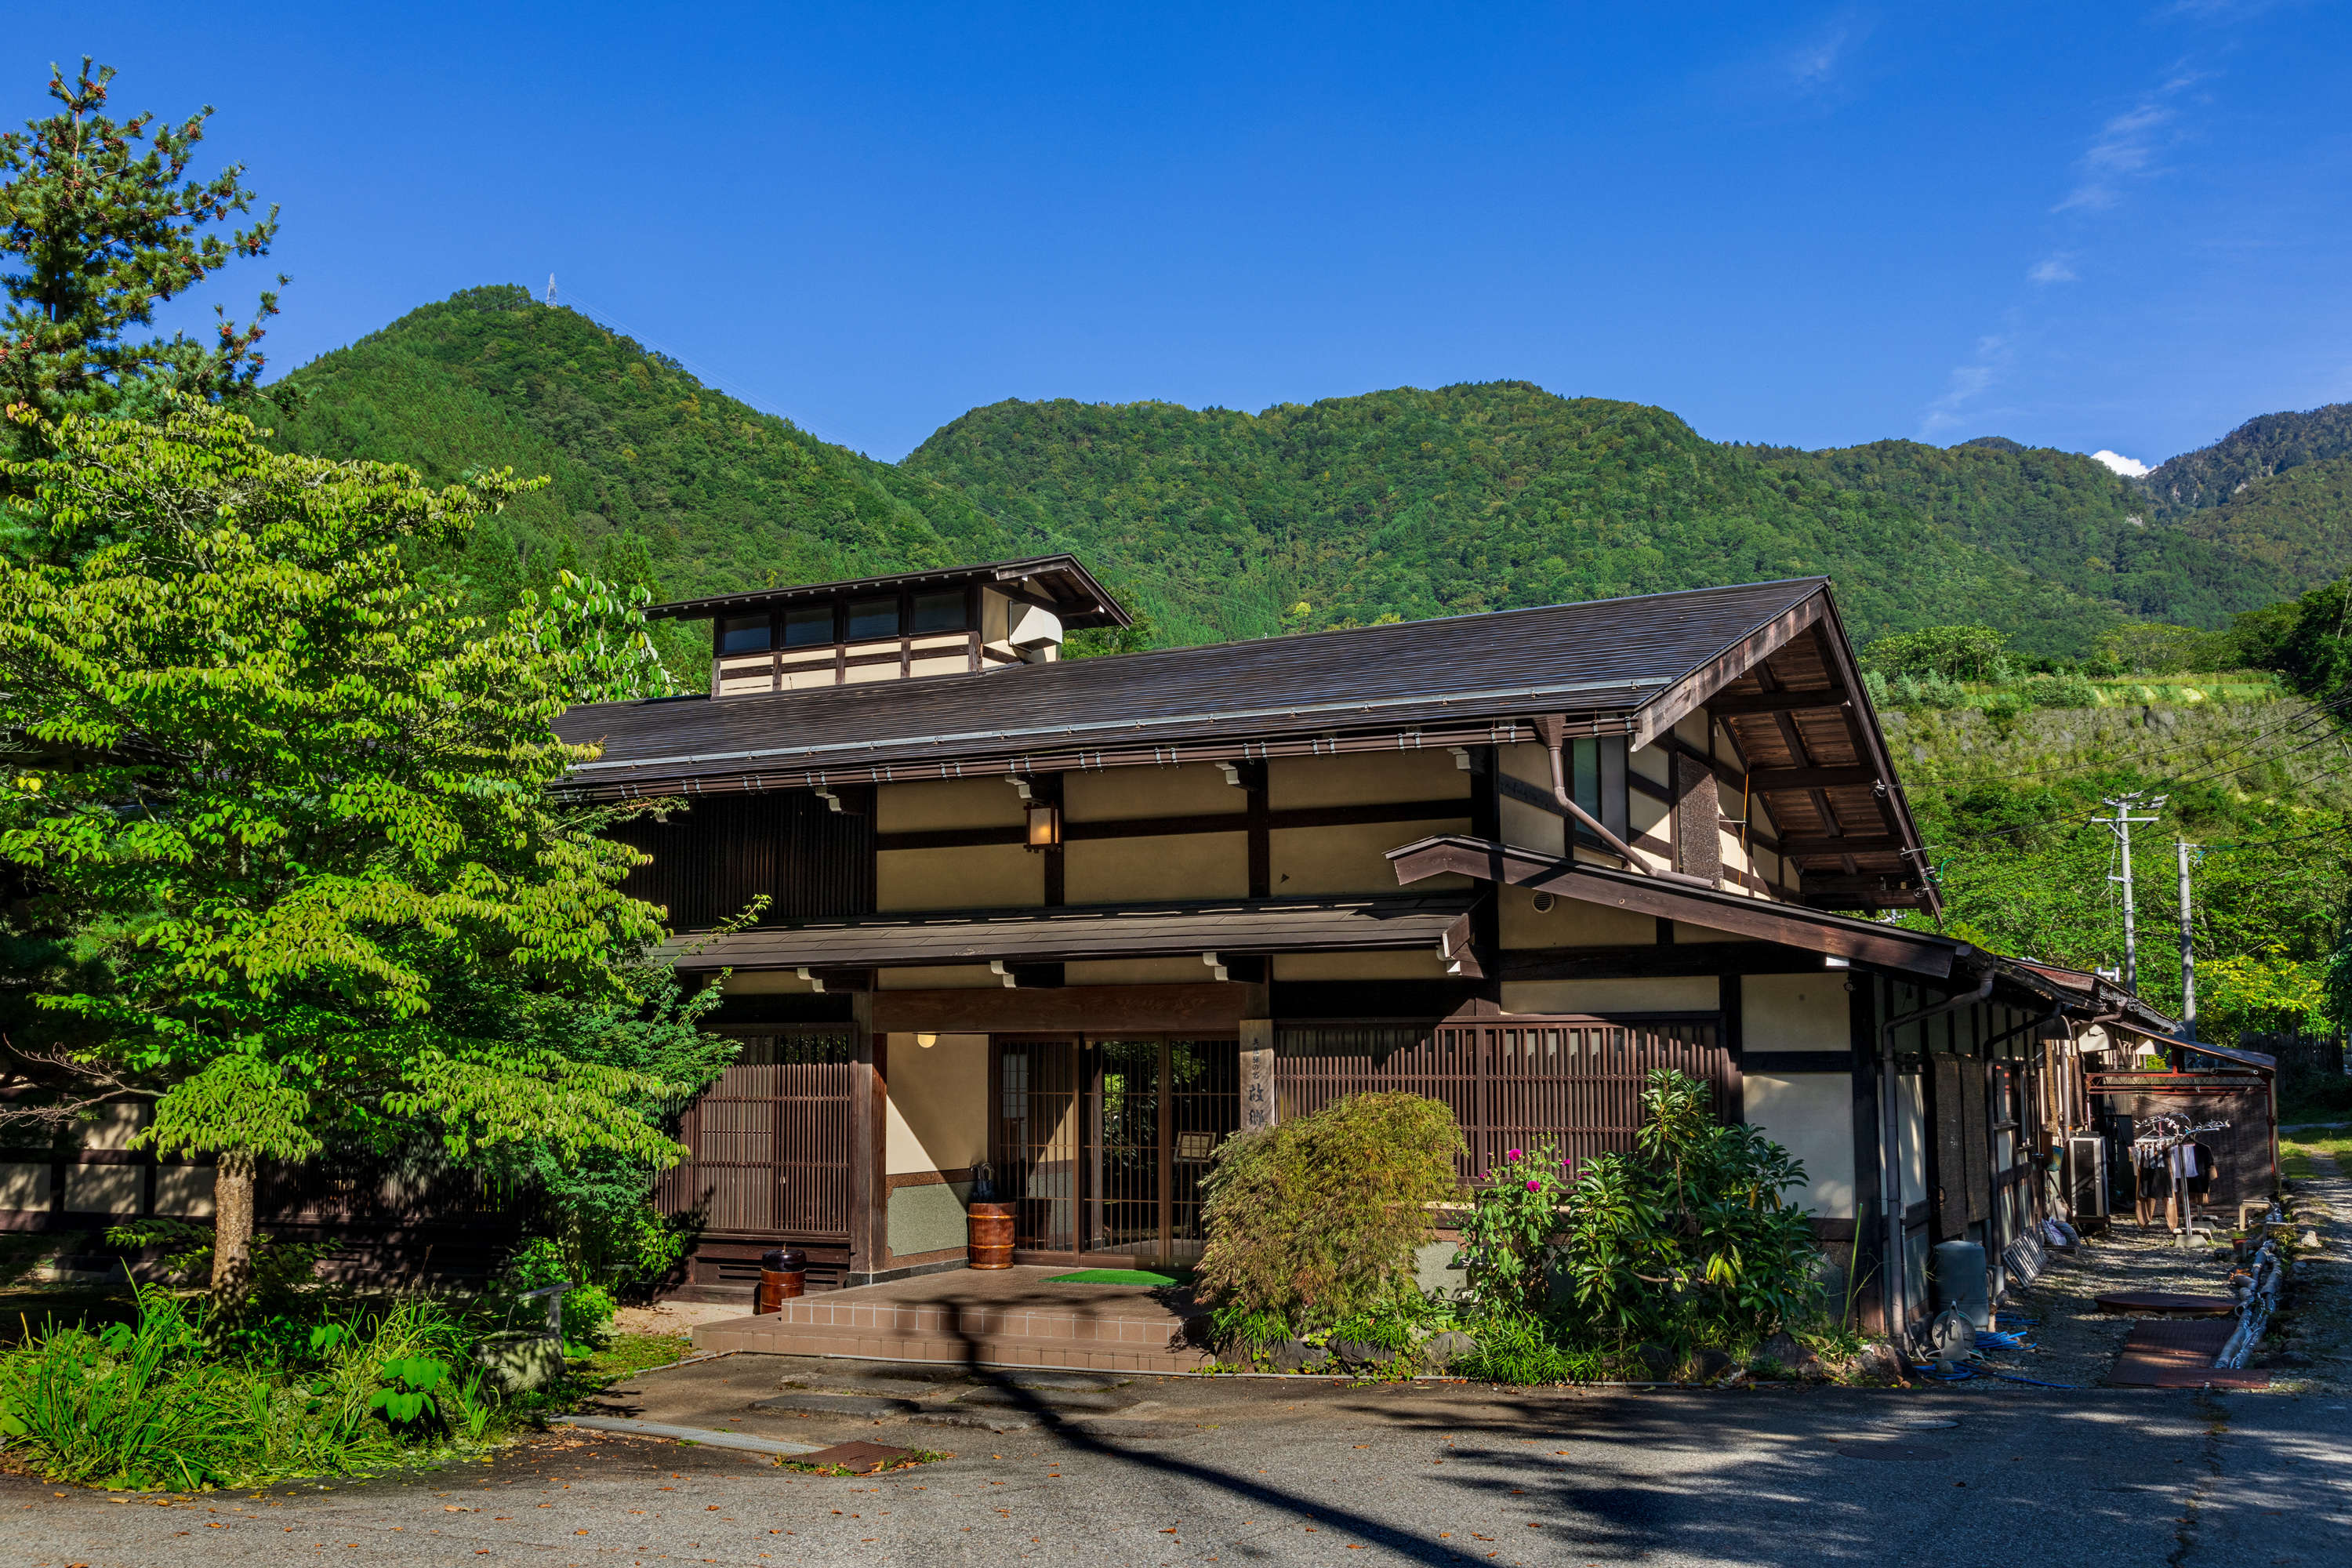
(869, 1224)
(1257, 1073)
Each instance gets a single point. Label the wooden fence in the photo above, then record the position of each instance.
(1574, 1083)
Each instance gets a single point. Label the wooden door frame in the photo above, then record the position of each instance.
(1086, 1088)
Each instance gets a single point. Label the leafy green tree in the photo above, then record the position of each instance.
(300, 815)
(1955, 653)
(96, 231)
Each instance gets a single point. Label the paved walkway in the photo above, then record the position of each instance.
(1290, 1473)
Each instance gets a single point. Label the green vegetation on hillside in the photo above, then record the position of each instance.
(657, 481)
(1216, 524)
(1411, 503)
(2067, 518)
(2263, 446)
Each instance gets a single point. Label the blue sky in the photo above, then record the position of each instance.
(2082, 226)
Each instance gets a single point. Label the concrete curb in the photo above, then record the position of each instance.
(707, 1439)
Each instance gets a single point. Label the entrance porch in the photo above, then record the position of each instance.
(1008, 1317)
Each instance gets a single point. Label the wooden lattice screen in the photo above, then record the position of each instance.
(1573, 1082)
(770, 1142)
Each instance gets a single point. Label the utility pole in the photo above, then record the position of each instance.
(2188, 952)
(2121, 825)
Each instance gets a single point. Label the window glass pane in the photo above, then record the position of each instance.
(941, 611)
(873, 618)
(1587, 782)
(811, 624)
(743, 634)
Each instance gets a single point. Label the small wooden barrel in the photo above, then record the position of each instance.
(783, 1274)
(991, 1228)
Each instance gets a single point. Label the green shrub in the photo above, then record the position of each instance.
(1511, 1234)
(588, 1308)
(1690, 1240)
(2070, 689)
(150, 1404)
(1315, 1221)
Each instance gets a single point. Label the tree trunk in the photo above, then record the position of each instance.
(233, 1183)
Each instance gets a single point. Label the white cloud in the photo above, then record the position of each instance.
(2058, 268)
(1969, 382)
(2130, 467)
(1814, 63)
(2126, 149)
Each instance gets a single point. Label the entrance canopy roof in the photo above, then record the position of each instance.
(1236, 926)
(1933, 958)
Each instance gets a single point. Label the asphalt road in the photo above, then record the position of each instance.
(1280, 1473)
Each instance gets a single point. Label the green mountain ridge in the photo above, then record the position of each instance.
(1219, 524)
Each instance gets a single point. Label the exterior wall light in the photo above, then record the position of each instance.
(1044, 824)
(926, 1041)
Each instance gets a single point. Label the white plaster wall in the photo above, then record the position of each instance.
(24, 1185)
(1795, 1012)
(184, 1190)
(1570, 922)
(979, 877)
(1811, 1116)
(935, 1113)
(1694, 993)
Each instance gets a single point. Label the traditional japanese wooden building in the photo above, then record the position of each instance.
(1069, 923)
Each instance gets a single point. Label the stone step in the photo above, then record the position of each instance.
(1137, 1346)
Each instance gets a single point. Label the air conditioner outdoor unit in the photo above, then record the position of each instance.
(2087, 1177)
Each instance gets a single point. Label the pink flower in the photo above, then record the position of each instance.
(1513, 1154)
(1533, 1183)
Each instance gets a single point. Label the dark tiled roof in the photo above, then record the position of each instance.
(1605, 657)
(1234, 926)
(1081, 601)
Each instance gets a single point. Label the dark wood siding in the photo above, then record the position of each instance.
(713, 857)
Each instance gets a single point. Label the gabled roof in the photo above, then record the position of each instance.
(1631, 666)
(1609, 657)
(1056, 580)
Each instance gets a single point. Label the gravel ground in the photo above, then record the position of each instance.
(2076, 1344)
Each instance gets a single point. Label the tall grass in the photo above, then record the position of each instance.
(142, 1405)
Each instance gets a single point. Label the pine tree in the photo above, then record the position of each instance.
(100, 223)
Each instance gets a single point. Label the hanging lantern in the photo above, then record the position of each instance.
(1044, 823)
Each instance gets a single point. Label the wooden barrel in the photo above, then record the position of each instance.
(783, 1274)
(991, 1228)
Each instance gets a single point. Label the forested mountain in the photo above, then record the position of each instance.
(2272, 444)
(1219, 524)
(656, 480)
(2065, 518)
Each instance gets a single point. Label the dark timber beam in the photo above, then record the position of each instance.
(1855, 844)
(1778, 702)
(1488, 861)
(1766, 780)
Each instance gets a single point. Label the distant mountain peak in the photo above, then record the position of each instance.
(1995, 443)
(2266, 444)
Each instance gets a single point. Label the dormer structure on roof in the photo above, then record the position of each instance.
(905, 626)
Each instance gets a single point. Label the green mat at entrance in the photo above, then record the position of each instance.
(1110, 1277)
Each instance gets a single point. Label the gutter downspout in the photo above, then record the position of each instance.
(1553, 729)
(1890, 1150)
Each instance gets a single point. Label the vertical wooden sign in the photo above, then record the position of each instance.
(1257, 1073)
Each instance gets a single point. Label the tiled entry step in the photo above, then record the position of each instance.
(1008, 1317)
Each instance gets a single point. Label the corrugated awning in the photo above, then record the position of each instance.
(1237, 927)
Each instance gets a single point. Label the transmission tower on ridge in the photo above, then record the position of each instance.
(551, 287)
